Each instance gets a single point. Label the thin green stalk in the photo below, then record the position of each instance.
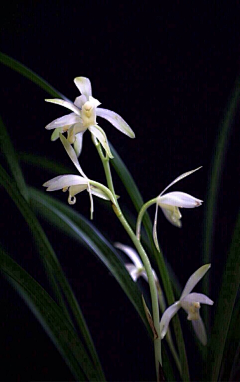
(144, 257)
(141, 214)
(152, 286)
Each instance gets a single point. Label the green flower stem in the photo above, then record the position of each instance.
(152, 285)
(140, 216)
(144, 258)
(105, 162)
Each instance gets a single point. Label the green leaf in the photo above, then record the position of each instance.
(51, 262)
(225, 305)
(10, 154)
(230, 360)
(51, 317)
(24, 71)
(44, 164)
(69, 221)
(216, 173)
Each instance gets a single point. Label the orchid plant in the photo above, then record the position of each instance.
(159, 305)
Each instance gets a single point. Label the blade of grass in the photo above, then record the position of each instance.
(48, 255)
(26, 72)
(51, 317)
(224, 310)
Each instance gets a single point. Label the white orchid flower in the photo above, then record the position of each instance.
(190, 302)
(74, 184)
(83, 117)
(136, 268)
(171, 202)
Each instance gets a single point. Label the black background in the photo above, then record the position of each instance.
(168, 71)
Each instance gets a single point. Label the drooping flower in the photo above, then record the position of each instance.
(83, 117)
(171, 202)
(136, 268)
(190, 302)
(74, 184)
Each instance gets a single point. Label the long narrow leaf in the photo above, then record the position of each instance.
(49, 256)
(10, 154)
(216, 172)
(26, 72)
(68, 220)
(226, 300)
(231, 356)
(51, 317)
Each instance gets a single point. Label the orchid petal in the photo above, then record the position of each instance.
(101, 136)
(78, 144)
(84, 86)
(67, 104)
(179, 199)
(116, 121)
(167, 316)
(197, 297)
(172, 214)
(200, 330)
(62, 181)
(180, 178)
(76, 189)
(65, 120)
(80, 101)
(133, 271)
(131, 253)
(194, 279)
(94, 101)
(72, 154)
(55, 134)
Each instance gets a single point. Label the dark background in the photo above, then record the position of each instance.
(168, 71)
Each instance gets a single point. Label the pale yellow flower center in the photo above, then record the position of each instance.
(88, 114)
(193, 311)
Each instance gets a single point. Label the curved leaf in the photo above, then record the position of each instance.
(225, 305)
(48, 256)
(51, 317)
(70, 221)
(10, 154)
(24, 71)
(216, 172)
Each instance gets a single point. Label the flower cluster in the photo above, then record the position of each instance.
(84, 112)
